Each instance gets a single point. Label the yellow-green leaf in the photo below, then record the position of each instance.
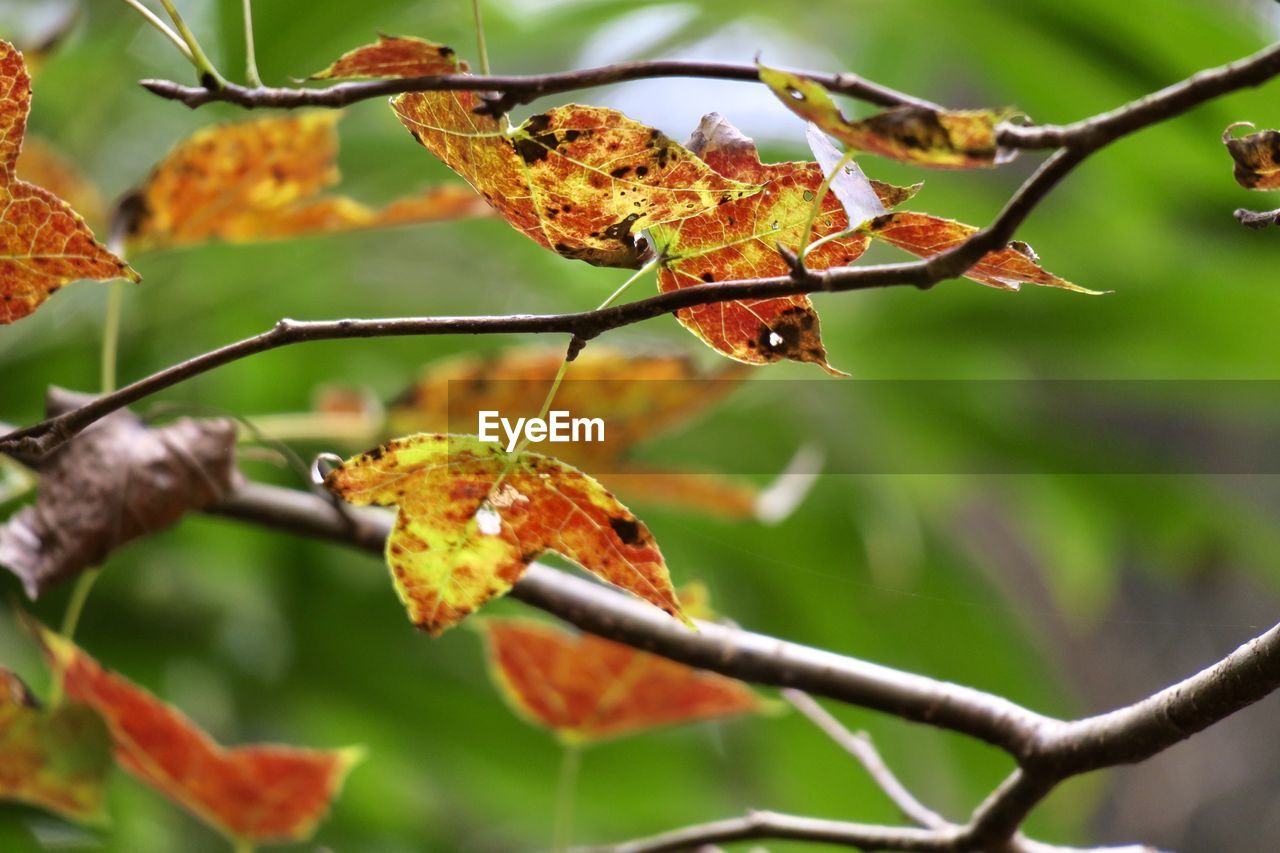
(55, 758)
(458, 541)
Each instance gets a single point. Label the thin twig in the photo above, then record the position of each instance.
(1047, 750)
(859, 745)
(516, 89)
(250, 51)
(45, 436)
(154, 20)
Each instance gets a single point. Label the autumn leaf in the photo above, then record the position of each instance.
(1007, 269)
(919, 135)
(640, 395)
(393, 56)
(116, 481)
(1257, 157)
(585, 688)
(740, 240)
(257, 793)
(262, 180)
(44, 244)
(53, 758)
(581, 181)
(457, 542)
(43, 165)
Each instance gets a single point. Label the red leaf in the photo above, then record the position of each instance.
(257, 793)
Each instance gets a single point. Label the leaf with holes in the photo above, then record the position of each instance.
(585, 688)
(54, 758)
(1007, 269)
(740, 240)
(393, 56)
(458, 541)
(252, 794)
(919, 135)
(1256, 155)
(44, 244)
(263, 180)
(581, 181)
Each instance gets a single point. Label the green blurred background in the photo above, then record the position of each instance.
(1068, 593)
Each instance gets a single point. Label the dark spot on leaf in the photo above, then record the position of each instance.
(628, 530)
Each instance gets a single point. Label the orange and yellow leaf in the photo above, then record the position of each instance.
(585, 688)
(581, 181)
(1007, 269)
(457, 541)
(262, 180)
(740, 240)
(257, 793)
(393, 56)
(53, 758)
(44, 244)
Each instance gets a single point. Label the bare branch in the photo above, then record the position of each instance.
(790, 827)
(514, 89)
(1093, 133)
(729, 651)
(858, 744)
(40, 438)
(1257, 219)
(1048, 750)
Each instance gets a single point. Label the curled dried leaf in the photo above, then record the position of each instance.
(939, 139)
(1256, 155)
(116, 481)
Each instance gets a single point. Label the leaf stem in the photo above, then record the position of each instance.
(243, 845)
(111, 336)
(311, 426)
(250, 54)
(818, 199)
(480, 42)
(154, 20)
(70, 621)
(566, 791)
(209, 76)
(564, 368)
(75, 605)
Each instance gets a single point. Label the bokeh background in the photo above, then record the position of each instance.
(1070, 593)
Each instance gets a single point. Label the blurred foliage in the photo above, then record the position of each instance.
(261, 636)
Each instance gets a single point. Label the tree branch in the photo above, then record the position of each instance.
(858, 744)
(514, 89)
(43, 437)
(1047, 750)
(762, 824)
